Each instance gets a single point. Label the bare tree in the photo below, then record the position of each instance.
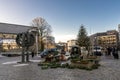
(44, 29)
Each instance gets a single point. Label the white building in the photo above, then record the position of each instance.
(71, 43)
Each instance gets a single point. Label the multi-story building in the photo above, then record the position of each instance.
(8, 33)
(71, 43)
(105, 39)
(49, 42)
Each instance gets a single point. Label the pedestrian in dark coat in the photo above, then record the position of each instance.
(32, 54)
(115, 53)
(109, 49)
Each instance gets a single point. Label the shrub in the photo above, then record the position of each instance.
(81, 67)
(75, 60)
(54, 65)
(64, 65)
(89, 69)
(44, 67)
(43, 64)
(95, 66)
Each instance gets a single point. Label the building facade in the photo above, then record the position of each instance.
(71, 43)
(49, 42)
(8, 33)
(105, 39)
(119, 31)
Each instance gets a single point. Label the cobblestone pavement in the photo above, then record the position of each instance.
(109, 70)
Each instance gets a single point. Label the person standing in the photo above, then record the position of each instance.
(115, 52)
(32, 54)
(109, 51)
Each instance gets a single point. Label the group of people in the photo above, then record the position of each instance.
(113, 51)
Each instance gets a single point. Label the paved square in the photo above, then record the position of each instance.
(11, 70)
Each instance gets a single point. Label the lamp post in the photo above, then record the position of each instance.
(96, 45)
(37, 39)
(37, 44)
(95, 41)
(46, 43)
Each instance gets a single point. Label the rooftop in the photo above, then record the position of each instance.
(13, 28)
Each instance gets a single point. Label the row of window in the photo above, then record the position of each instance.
(12, 36)
(108, 37)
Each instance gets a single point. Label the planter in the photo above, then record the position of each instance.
(54, 66)
(87, 64)
(83, 64)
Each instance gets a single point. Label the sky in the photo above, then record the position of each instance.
(64, 16)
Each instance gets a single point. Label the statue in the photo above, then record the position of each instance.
(25, 40)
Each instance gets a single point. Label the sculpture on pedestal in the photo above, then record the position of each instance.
(25, 40)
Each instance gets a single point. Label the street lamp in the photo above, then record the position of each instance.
(37, 43)
(96, 45)
(46, 43)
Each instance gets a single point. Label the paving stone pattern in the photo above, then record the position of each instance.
(109, 70)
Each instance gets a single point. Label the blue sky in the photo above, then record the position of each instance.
(65, 16)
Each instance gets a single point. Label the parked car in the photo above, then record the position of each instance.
(44, 53)
(97, 50)
(47, 51)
